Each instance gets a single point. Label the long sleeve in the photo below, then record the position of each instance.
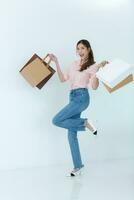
(92, 74)
(66, 74)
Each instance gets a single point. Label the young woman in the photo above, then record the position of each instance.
(81, 75)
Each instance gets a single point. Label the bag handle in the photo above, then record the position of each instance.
(48, 61)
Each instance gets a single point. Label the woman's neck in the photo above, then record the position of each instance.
(82, 61)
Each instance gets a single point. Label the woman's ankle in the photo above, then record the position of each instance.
(90, 127)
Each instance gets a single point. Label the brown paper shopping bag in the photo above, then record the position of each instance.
(119, 85)
(37, 72)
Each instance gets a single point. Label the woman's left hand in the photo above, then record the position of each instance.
(103, 63)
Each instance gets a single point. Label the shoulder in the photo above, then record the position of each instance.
(75, 64)
(71, 66)
(92, 68)
(93, 65)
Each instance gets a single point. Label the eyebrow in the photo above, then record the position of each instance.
(80, 47)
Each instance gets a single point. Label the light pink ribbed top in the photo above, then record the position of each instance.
(79, 79)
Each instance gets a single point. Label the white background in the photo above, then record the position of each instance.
(27, 136)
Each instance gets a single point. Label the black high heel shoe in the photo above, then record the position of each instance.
(95, 132)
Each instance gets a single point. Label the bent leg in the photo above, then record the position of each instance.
(66, 117)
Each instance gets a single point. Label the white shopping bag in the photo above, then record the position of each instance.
(114, 72)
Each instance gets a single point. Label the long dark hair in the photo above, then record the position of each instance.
(90, 59)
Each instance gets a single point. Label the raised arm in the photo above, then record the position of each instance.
(94, 80)
(60, 73)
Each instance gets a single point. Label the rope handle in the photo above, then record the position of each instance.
(48, 61)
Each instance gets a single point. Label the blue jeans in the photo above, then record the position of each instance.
(69, 118)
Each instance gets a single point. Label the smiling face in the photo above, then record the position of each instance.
(82, 51)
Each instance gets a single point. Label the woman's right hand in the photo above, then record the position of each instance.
(53, 57)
